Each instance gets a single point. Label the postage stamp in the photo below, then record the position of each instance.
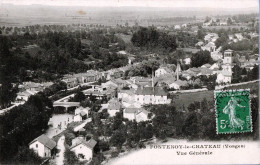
(233, 113)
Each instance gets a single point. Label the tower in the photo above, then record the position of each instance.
(227, 61)
(178, 70)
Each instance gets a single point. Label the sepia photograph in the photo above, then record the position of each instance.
(129, 82)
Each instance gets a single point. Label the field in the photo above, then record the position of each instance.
(225, 27)
(184, 99)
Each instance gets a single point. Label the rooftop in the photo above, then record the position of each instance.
(149, 91)
(45, 141)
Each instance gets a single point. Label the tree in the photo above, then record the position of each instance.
(229, 21)
(201, 34)
(118, 138)
(79, 96)
(200, 58)
(27, 156)
(70, 157)
(191, 125)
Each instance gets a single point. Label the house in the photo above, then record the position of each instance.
(81, 114)
(211, 47)
(109, 85)
(151, 95)
(130, 113)
(131, 60)
(114, 106)
(138, 114)
(216, 55)
(200, 43)
(142, 115)
(224, 77)
(120, 82)
(187, 61)
(43, 146)
(206, 66)
(22, 97)
(214, 66)
(211, 37)
(223, 23)
(205, 71)
(184, 25)
(165, 80)
(71, 82)
(177, 27)
(125, 94)
(163, 70)
(178, 84)
(140, 82)
(239, 36)
(83, 149)
(114, 73)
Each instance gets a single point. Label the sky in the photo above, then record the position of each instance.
(141, 3)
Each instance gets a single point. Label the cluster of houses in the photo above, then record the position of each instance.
(26, 89)
(46, 147)
(217, 22)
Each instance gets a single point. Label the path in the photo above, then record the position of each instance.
(60, 146)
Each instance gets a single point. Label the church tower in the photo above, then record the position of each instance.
(227, 61)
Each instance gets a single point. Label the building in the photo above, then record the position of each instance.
(137, 114)
(177, 27)
(211, 47)
(177, 85)
(162, 70)
(71, 82)
(239, 36)
(43, 146)
(131, 60)
(22, 97)
(227, 61)
(81, 114)
(114, 106)
(205, 71)
(216, 55)
(125, 94)
(151, 95)
(83, 149)
(224, 77)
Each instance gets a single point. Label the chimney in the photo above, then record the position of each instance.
(152, 81)
(177, 71)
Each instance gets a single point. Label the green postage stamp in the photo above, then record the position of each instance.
(233, 114)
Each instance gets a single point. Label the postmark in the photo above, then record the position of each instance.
(233, 112)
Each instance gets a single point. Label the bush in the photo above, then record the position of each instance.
(26, 155)
(114, 154)
(70, 157)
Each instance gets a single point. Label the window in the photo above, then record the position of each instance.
(36, 145)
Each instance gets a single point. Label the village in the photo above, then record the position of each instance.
(92, 115)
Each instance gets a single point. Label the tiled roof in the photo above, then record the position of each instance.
(181, 83)
(114, 104)
(45, 141)
(131, 110)
(206, 71)
(90, 144)
(149, 91)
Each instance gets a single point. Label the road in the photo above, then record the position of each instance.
(60, 146)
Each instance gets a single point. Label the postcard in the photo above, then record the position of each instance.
(129, 82)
